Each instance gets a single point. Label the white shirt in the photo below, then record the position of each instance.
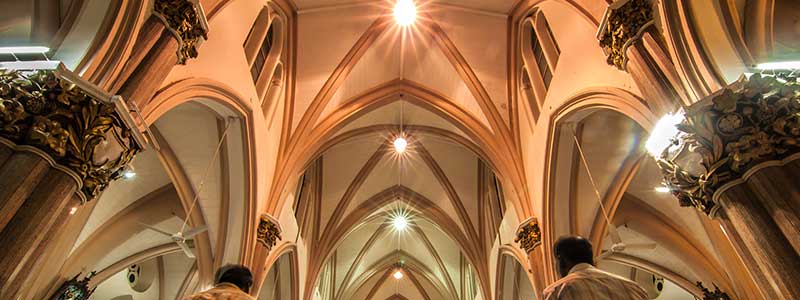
(585, 282)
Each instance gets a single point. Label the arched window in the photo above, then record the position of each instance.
(544, 48)
(264, 47)
(539, 52)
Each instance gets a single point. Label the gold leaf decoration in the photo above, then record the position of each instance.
(57, 117)
(186, 19)
(529, 235)
(752, 121)
(269, 232)
(621, 26)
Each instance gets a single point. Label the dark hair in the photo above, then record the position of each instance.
(237, 275)
(574, 249)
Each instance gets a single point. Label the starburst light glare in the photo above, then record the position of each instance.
(405, 12)
(663, 189)
(129, 172)
(400, 144)
(398, 275)
(661, 137)
(400, 222)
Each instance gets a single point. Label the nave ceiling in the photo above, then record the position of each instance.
(309, 141)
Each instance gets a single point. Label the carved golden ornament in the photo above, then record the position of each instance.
(715, 295)
(187, 19)
(42, 110)
(269, 232)
(751, 121)
(529, 235)
(623, 23)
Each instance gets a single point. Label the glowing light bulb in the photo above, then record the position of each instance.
(400, 223)
(400, 144)
(405, 12)
(661, 137)
(398, 275)
(663, 189)
(73, 210)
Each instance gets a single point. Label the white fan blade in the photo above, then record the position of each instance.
(641, 246)
(186, 249)
(614, 234)
(604, 255)
(194, 231)
(156, 229)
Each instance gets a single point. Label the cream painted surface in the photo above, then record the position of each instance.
(119, 195)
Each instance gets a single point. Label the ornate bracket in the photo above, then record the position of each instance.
(86, 132)
(715, 295)
(749, 122)
(269, 231)
(623, 23)
(75, 289)
(187, 21)
(529, 235)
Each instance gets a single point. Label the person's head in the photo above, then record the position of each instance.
(237, 275)
(572, 250)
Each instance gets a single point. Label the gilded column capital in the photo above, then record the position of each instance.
(187, 21)
(82, 131)
(74, 289)
(752, 121)
(529, 235)
(269, 231)
(623, 23)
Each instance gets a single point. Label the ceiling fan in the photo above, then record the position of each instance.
(618, 246)
(181, 237)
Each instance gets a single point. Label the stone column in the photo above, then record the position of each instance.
(631, 43)
(737, 159)
(529, 237)
(169, 37)
(61, 143)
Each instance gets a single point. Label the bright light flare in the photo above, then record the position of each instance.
(73, 210)
(661, 137)
(400, 222)
(782, 65)
(400, 144)
(398, 275)
(24, 50)
(129, 172)
(405, 12)
(663, 189)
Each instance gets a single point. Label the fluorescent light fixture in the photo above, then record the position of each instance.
(663, 189)
(398, 275)
(782, 65)
(400, 222)
(405, 12)
(400, 144)
(24, 50)
(30, 65)
(661, 137)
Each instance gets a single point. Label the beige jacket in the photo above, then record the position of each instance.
(222, 291)
(585, 282)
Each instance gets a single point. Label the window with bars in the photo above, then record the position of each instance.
(261, 56)
(539, 54)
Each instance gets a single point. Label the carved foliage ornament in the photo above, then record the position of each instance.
(623, 23)
(269, 232)
(74, 289)
(751, 121)
(529, 235)
(42, 110)
(187, 19)
(715, 295)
